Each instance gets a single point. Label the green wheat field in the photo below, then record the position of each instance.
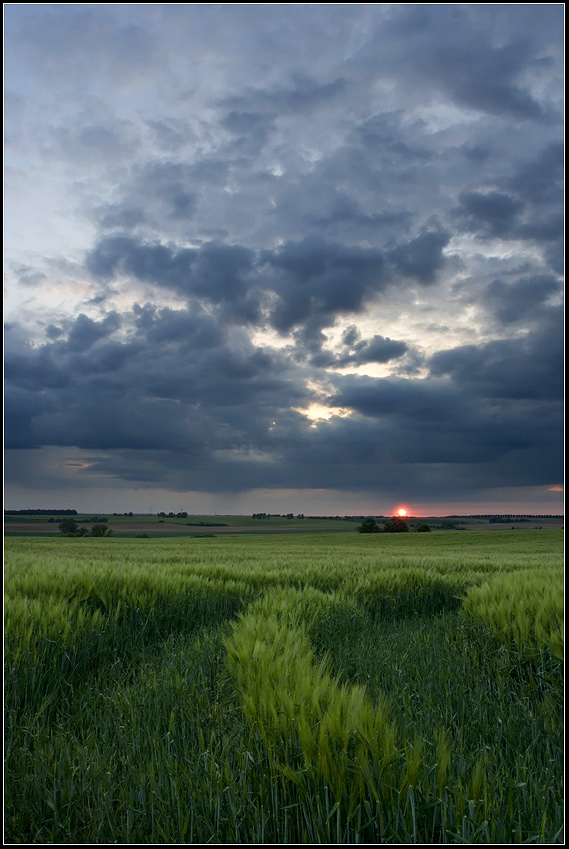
(285, 688)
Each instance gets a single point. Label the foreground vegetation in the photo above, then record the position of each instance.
(342, 688)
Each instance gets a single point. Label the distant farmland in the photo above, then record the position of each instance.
(127, 525)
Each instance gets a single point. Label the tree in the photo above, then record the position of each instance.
(396, 526)
(68, 527)
(368, 526)
(98, 530)
(423, 528)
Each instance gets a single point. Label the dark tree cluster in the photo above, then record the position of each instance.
(277, 516)
(70, 528)
(208, 524)
(394, 526)
(369, 526)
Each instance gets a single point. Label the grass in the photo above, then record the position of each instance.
(284, 689)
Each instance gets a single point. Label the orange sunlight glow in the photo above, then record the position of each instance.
(402, 512)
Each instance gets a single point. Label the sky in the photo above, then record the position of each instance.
(284, 257)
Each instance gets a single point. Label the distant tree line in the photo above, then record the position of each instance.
(92, 519)
(514, 518)
(40, 512)
(208, 524)
(507, 517)
(278, 516)
(302, 516)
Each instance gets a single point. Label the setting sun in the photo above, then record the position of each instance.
(402, 512)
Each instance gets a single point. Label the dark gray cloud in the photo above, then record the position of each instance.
(217, 413)
(83, 145)
(155, 263)
(540, 180)
(312, 277)
(301, 94)
(217, 273)
(85, 332)
(523, 299)
(379, 349)
(251, 130)
(170, 378)
(477, 60)
(219, 216)
(489, 214)
(527, 207)
(526, 367)
(170, 134)
(422, 257)
(155, 195)
(381, 137)
(486, 78)
(313, 280)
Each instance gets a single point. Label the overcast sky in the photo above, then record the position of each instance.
(284, 257)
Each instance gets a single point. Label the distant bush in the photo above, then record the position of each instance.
(69, 527)
(208, 524)
(424, 528)
(368, 526)
(396, 526)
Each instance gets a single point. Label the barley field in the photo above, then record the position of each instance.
(298, 688)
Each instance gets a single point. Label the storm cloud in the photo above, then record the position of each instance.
(284, 248)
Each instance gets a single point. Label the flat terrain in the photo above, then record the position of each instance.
(154, 526)
(284, 688)
(533, 524)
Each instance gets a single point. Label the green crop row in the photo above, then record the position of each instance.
(525, 608)
(348, 755)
